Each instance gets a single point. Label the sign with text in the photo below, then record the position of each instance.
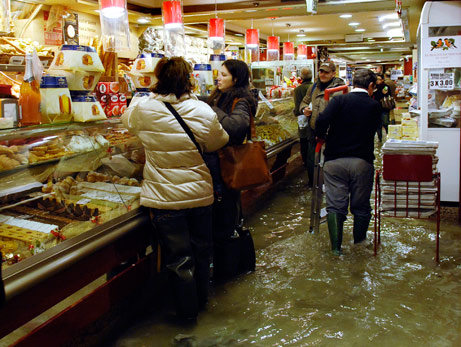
(443, 51)
(441, 81)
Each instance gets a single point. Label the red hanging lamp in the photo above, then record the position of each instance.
(302, 51)
(172, 14)
(288, 49)
(273, 43)
(112, 8)
(252, 38)
(216, 29)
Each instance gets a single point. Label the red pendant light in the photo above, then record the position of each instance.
(273, 43)
(113, 8)
(172, 14)
(302, 51)
(252, 38)
(216, 29)
(288, 49)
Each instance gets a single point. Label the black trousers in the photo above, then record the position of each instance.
(227, 217)
(186, 242)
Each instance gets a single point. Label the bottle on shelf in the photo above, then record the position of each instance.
(29, 97)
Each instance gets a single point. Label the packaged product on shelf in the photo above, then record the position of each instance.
(108, 88)
(56, 103)
(394, 132)
(113, 107)
(146, 62)
(146, 80)
(80, 81)
(77, 58)
(87, 108)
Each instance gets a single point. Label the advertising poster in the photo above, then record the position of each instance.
(443, 51)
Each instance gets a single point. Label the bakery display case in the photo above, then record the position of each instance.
(60, 181)
(275, 122)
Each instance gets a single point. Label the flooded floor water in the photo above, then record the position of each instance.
(301, 295)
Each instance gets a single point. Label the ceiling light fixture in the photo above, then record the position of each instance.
(392, 24)
(238, 34)
(395, 32)
(360, 30)
(393, 15)
(353, 24)
(143, 20)
(346, 15)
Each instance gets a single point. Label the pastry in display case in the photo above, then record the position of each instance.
(275, 122)
(58, 182)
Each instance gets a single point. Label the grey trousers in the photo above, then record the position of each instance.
(348, 180)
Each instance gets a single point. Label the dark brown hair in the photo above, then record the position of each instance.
(241, 76)
(173, 76)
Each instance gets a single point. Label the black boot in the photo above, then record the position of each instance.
(360, 228)
(335, 228)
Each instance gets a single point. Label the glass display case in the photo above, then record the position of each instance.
(60, 181)
(439, 88)
(267, 74)
(275, 122)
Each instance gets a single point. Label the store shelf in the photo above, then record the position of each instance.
(12, 67)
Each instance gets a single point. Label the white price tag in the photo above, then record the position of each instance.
(444, 81)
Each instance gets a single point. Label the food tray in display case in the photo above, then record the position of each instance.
(60, 181)
(275, 122)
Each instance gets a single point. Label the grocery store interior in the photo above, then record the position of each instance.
(81, 264)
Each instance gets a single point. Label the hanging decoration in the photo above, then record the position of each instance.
(302, 52)
(173, 28)
(273, 45)
(288, 51)
(115, 30)
(216, 30)
(251, 44)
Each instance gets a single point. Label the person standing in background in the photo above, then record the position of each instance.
(393, 87)
(313, 103)
(299, 93)
(382, 90)
(233, 102)
(348, 125)
(177, 186)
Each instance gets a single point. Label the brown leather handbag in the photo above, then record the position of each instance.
(245, 166)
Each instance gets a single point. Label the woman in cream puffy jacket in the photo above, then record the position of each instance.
(177, 184)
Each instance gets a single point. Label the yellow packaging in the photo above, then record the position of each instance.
(56, 104)
(408, 131)
(409, 122)
(394, 132)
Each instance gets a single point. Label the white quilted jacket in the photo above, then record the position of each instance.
(175, 176)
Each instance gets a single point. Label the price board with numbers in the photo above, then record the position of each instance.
(443, 81)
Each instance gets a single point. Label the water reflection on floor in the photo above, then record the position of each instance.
(301, 295)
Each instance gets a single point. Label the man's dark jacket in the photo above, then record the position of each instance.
(351, 121)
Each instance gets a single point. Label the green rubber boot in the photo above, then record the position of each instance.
(335, 228)
(360, 228)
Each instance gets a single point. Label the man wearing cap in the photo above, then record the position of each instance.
(313, 103)
(299, 93)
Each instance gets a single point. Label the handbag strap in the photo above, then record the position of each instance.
(252, 131)
(185, 127)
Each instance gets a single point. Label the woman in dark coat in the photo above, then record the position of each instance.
(233, 102)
